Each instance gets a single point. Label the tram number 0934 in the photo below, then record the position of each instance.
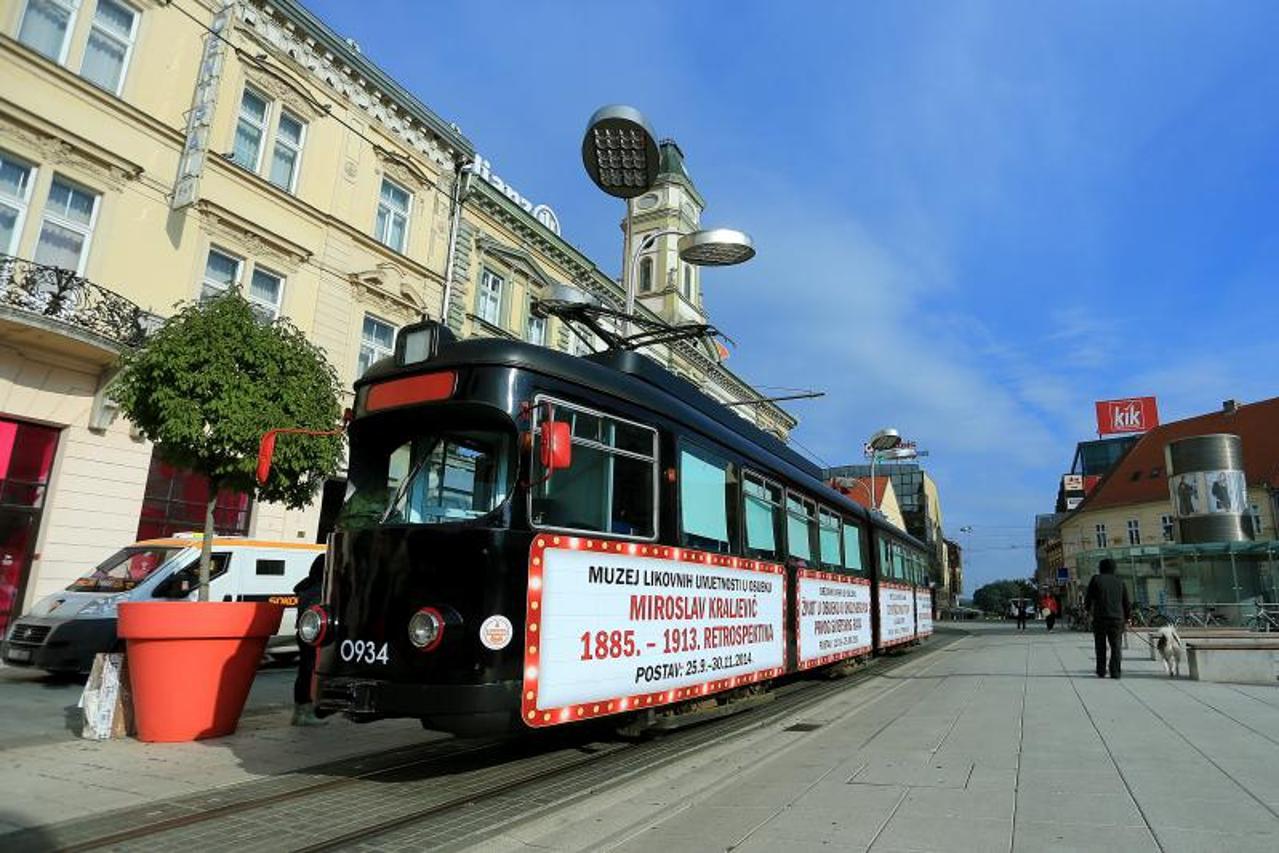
(363, 651)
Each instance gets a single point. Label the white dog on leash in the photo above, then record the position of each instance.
(1171, 649)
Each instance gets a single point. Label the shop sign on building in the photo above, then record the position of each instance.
(195, 147)
(1132, 414)
(542, 213)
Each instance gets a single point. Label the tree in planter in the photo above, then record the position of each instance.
(211, 381)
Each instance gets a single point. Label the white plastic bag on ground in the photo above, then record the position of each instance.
(108, 711)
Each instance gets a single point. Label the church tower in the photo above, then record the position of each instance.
(663, 283)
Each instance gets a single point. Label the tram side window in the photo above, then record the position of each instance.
(828, 538)
(801, 517)
(610, 485)
(763, 516)
(852, 547)
(705, 496)
(899, 562)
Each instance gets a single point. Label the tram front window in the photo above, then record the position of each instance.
(429, 479)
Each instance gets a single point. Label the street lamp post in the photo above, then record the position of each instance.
(884, 439)
(621, 156)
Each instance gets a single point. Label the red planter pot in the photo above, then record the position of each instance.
(191, 663)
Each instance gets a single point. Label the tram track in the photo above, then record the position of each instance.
(451, 785)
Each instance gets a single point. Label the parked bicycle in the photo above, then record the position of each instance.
(1263, 620)
(1077, 619)
(1147, 616)
(1205, 618)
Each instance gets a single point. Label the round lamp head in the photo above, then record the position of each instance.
(620, 152)
(716, 247)
(885, 439)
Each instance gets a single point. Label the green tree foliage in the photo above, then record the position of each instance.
(994, 597)
(211, 381)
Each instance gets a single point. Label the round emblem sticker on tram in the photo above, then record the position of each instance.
(496, 632)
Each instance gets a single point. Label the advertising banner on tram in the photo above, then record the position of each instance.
(923, 612)
(896, 614)
(617, 626)
(832, 617)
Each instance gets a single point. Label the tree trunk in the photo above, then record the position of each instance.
(206, 546)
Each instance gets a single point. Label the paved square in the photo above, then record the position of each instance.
(1004, 740)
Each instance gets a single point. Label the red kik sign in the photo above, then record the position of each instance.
(1134, 414)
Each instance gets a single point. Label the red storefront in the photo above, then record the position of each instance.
(26, 461)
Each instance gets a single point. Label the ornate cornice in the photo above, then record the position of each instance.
(49, 144)
(304, 54)
(282, 86)
(253, 240)
(389, 288)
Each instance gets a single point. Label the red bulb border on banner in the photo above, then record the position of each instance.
(536, 716)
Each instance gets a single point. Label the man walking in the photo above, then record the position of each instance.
(1107, 601)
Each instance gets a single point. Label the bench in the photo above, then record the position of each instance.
(1233, 659)
(1151, 637)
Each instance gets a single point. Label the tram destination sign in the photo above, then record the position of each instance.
(923, 613)
(614, 626)
(896, 614)
(832, 619)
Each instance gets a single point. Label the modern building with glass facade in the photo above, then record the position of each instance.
(1130, 517)
(153, 153)
(920, 505)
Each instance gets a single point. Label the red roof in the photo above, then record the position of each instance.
(857, 489)
(1139, 477)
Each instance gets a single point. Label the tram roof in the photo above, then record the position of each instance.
(632, 376)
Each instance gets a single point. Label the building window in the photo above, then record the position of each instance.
(106, 56)
(221, 273)
(582, 344)
(646, 275)
(16, 178)
(1134, 532)
(246, 151)
(287, 152)
(1165, 521)
(1100, 530)
(536, 330)
(688, 282)
(46, 27)
(67, 226)
(266, 290)
(377, 342)
(175, 501)
(488, 299)
(1254, 510)
(392, 215)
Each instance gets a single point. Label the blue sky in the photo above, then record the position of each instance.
(973, 219)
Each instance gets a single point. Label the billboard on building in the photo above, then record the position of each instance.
(1132, 414)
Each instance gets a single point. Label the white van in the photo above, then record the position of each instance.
(63, 631)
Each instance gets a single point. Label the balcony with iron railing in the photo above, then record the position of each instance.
(56, 308)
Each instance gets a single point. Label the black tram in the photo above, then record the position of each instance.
(532, 538)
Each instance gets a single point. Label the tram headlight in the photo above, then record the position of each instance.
(313, 625)
(426, 628)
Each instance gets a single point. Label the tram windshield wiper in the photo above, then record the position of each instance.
(403, 488)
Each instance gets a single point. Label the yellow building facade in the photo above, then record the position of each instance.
(152, 153)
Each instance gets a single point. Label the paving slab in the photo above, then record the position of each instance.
(1002, 740)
